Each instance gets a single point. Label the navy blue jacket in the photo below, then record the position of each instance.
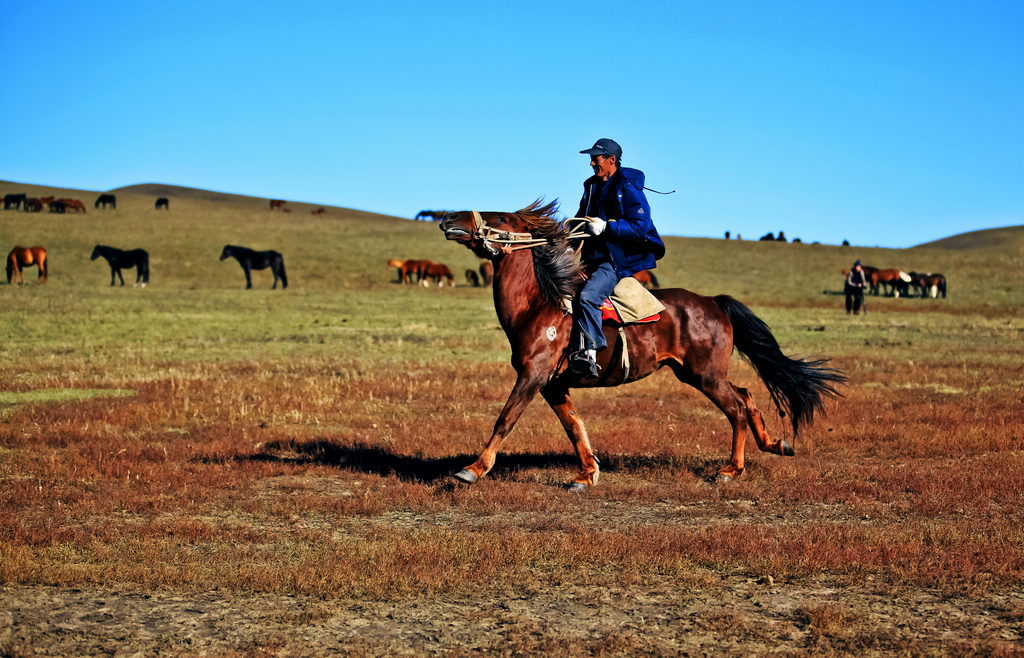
(631, 242)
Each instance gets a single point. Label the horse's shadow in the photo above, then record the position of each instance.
(379, 461)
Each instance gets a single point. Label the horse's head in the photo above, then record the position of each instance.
(96, 253)
(226, 252)
(486, 233)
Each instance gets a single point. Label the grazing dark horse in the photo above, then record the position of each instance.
(58, 206)
(647, 279)
(32, 205)
(431, 215)
(694, 338)
(930, 284)
(21, 257)
(318, 211)
(105, 200)
(163, 203)
(276, 204)
(472, 278)
(13, 201)
(117, 259)
(257, 260)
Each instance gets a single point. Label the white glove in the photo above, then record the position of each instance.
(596, 226)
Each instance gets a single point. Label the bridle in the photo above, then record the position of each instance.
(513, 240)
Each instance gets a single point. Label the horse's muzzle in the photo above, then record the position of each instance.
(454, 231)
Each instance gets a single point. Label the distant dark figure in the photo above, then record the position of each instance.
(781, 238)
(105, 200)
(117, 259)
(854, 285)
(846, 243)
(727, 235)
(163, 203)
(472, 278)
(57, 206)
(276, 204)
(770, 237)
(20, 257)
(73, 204)
(13, 201)
(257, 260)
(797, 241)
(486, 272)
(32, 205)
(431, 215)
(318, 211)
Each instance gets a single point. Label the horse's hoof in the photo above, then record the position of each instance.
(787, 450)
(466, 475)
(577, 487)
(724, 479)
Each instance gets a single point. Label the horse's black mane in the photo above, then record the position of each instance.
(554, 263)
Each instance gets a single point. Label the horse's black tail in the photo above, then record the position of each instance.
(144, 268)
(284, 277)
(797, 386)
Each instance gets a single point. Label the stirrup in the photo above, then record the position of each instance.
(581, 364)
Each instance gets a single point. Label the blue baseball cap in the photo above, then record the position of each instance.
(604, 146)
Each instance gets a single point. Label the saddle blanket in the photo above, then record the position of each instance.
(631, 303)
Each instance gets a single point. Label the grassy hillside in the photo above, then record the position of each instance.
(348, 249)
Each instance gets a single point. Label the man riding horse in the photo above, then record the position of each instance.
(624, 242)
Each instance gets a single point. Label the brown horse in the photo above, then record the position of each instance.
(694, 338)
(896, 280)
(74, 204)
(406, 268)
(21, 257)
(276, 204)
(647, 279)
(439, 273)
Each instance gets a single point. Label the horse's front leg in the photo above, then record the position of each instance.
(558, 399)
(119, 276)
(523, 392)
(248, 276)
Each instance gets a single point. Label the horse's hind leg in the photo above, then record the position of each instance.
(563, 407)
(757, 428)
(718, 389)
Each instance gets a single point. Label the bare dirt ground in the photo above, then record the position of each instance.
(712, 612)
(731, 615)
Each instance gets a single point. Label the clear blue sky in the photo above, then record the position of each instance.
(885, 123)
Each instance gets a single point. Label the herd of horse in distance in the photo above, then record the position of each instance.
(891, 281)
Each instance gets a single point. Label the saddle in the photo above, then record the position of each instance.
(629, 303)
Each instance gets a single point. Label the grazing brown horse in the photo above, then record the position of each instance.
(472, 278)
(276, 204)
(694, 338)
(74, 204)
(318, 211)
(486, 272)
(406, 268)
(21, 257)
(896, 280)
(439, 273)
(647, 279)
